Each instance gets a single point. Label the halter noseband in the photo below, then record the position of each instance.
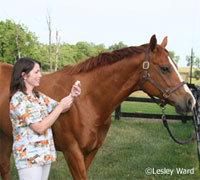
(146, 76)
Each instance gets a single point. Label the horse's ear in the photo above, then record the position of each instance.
(164, 43)
(153, 42)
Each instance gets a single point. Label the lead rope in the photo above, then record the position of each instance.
(164, 119)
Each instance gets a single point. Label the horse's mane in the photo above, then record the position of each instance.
(105, 58)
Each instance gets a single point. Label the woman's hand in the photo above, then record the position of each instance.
(66, 103)
(76, 90)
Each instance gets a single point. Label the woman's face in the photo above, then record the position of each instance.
(33, 78)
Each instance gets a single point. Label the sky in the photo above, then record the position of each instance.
(109, 22)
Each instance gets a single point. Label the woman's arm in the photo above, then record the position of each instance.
(47, 122)
(63, 106)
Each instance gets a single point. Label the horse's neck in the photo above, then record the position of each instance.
(111, 84)
(103, 88)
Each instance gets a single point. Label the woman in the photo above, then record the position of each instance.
(32, 114)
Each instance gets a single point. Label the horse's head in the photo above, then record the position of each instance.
(162, 79)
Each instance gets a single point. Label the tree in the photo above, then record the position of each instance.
(16, 41)
(116, 46)
(42, 55)
(49, 28)
(175, 58)
(87, 49)
(57, 50)
(67, 55)
(195, 60)
(100, 48)
(195, 63)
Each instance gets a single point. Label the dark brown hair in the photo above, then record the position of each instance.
(17, 82)
(106, 58)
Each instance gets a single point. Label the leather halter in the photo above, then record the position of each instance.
(147, 77)
(166, 94)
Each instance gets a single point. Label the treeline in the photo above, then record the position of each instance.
(17, 41)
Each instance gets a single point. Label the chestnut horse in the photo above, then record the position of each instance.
(106, 80)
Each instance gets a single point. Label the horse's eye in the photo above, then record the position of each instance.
(165, 69)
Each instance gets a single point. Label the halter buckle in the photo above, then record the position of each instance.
(145, 65)
(166, 94)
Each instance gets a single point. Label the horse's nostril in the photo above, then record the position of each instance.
(190, 103)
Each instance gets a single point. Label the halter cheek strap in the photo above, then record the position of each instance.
(147, 77)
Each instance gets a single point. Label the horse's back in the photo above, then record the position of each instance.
(5, 76)
(56, 85)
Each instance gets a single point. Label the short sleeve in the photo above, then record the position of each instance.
(22, 112)
(49, 102)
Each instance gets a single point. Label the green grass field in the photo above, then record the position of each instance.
(151, 108)
(185, 73)
(130, 148)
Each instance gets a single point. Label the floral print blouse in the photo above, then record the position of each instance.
(30, 148)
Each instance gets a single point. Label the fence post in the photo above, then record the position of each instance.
(183, 119)
(118, 112)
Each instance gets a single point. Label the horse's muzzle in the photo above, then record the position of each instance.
(184, 107)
